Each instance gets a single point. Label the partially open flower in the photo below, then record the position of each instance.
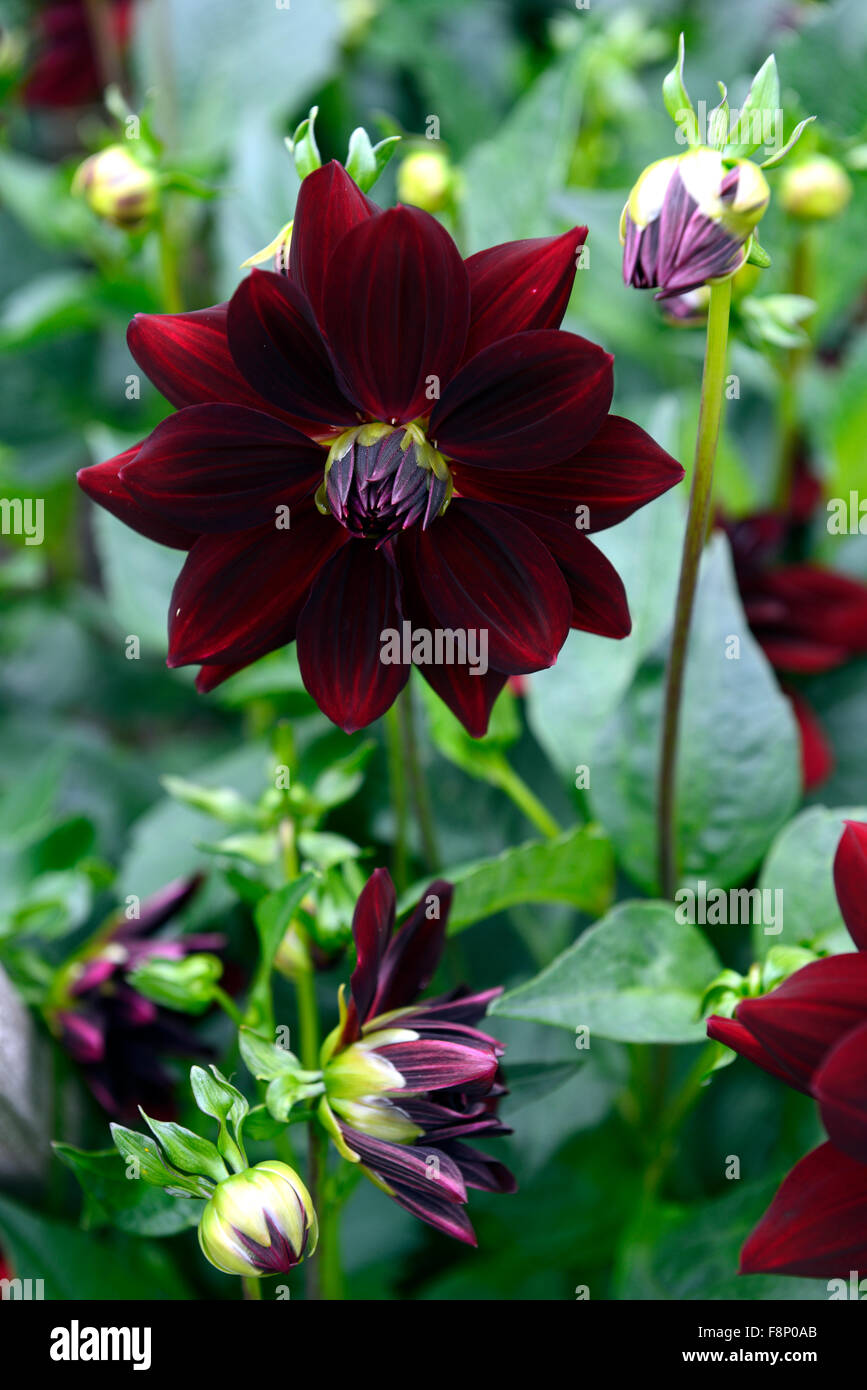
(689, 219)
(816, 189)
(117, 187)
(407, 1081)
(260, 1221)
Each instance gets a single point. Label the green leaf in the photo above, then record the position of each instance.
(264, 1059)
(718, 122)
(273, 917)
(86, 1265)
(113, 1197)
(187, 1150)
(758, 115)
(261, 850)
(185, 985)
(801, 864)
(639, 975)
(577, 868)
(151, 1166)
(733, 716)
(215, 1096)
(779, 155)
(365, 162)
(676, 97)
(478, 757)
(223, 803)
(303, 146)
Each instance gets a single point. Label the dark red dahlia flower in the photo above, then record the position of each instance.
(119, 1038)
(806, 619)
(66, 69)
(811, 1031)
(407, 1082)
(386, 440)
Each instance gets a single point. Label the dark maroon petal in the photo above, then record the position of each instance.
(525, 402)
(482, 569)
(354, 600)
(442, 1122)
(840, 1087)
(734, 1034)
(414, 953)
(83, 1038)
(188, 360)
(599, 601)
(102, 484)
(210, 676)
(329, 205)
(800, 1020)
(372, 926)
(521, 285)
(817, 755)
(808, 619)
(816, 1225)
(240, 593)
(396, 311)
(469, 693)
(850, 880)
(408, 1164)
(159, 908)
(620, 470)
(429, 1205)
(479, 1170)
(434, 1065)
(457, 1007)
(223, 468)
(277, 347)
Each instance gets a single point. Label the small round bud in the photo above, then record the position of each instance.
(260, 1221)
(426, 179)
(816, 189)
(117, 187)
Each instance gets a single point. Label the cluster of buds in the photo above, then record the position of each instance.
(257, 1220)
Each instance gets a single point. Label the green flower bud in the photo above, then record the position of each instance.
(258, 1222)
(816, 189)
(426, 179)
(117, 187)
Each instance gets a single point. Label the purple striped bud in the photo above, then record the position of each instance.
(380, 480)
(260, 1221)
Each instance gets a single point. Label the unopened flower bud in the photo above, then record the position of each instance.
(117, 187)
(260, 1221)
(816, 189)
(688, 221)
(426, 179)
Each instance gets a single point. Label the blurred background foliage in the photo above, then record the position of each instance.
(547, 113)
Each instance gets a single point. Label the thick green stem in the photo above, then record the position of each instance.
(526, 800)
(252, 1287)
(397, 787)
(170, 284)
(713, 382)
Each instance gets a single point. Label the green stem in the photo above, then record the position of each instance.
(397, 786)
(252, 1287)
(170, 285)
(674, 1116)
(801, 282)
(526, 800)
(713, 382)
(417, 781)
(317, 1150)
(228, 1005)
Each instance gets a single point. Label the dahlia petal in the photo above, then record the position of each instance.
(479, 1170)
(240, 594)
(521, 285)
(413, 955)
(222, 468)
(817, 755)
(187, 358)
(432, 1065)
(160, 908)
(809, 619)
(437, 1211)
(469, 693)
(599, 601)
(850, 880)
(276, 345)
(524, 402)
(354, 600)
(330, 204)
(620, 470)
(734, 1034)
(816, 1225)
(396, 312)
(840, 1087)
(800, 1020)
(481, 569)
(102, 484)
(372, 926)
(83, 1038)
(408, 1164)
(458, 1007)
